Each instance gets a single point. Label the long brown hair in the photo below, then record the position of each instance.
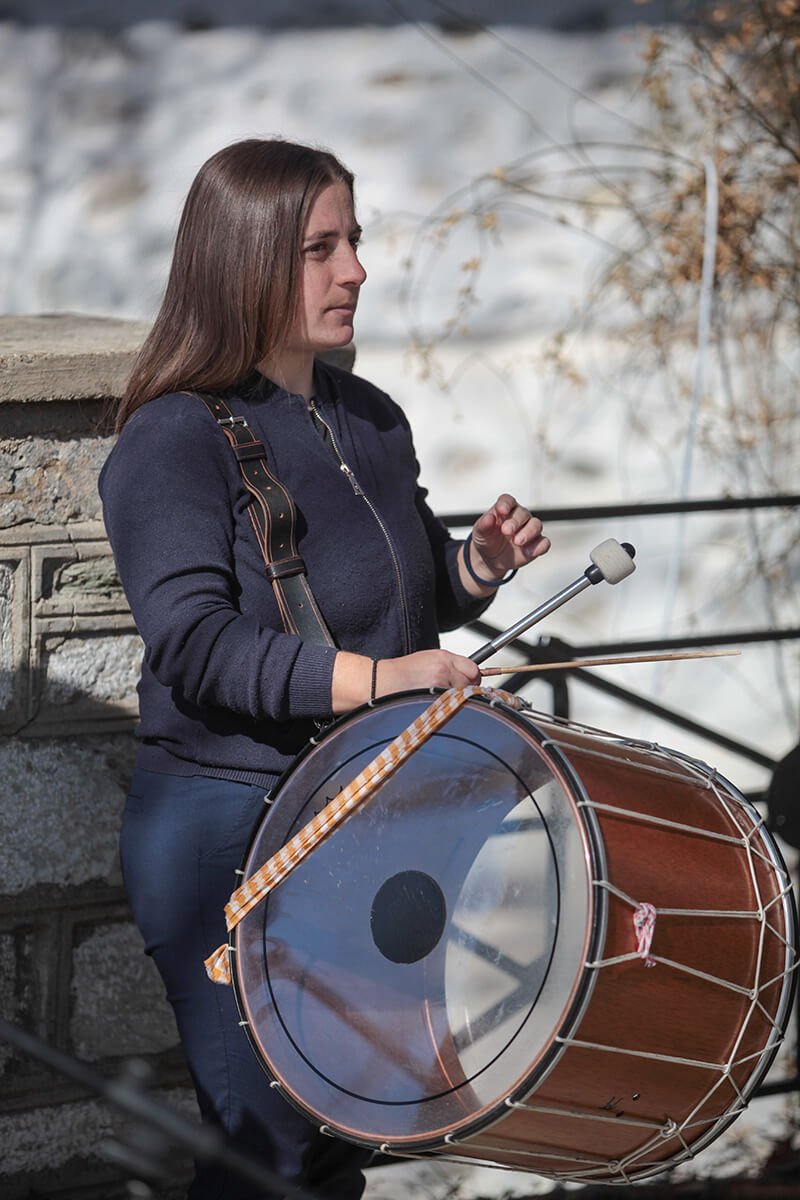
(234, 284)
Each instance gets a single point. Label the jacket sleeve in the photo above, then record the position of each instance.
(168, 492)
(455, 606)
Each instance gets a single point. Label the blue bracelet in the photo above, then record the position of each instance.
(473, 575)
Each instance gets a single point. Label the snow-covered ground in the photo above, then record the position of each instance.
(100, 136)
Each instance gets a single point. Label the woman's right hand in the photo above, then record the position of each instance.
(426, 668)
(352, 675)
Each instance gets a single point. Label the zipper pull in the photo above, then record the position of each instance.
(355, 485)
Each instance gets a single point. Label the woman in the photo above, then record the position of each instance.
(264, 282)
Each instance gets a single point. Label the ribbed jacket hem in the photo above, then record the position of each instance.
(156, 758)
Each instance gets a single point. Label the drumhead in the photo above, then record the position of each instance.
(412, 974)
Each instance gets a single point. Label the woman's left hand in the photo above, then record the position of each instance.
(505, 538)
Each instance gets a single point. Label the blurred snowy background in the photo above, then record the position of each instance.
(106, 113)
(103, 127)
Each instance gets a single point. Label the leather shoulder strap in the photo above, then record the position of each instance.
(273, 515)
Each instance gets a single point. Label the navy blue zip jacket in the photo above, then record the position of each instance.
(224, 691)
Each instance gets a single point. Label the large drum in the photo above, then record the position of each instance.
(538, 946)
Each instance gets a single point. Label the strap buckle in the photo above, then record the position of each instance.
(229, 422)
(284, 568)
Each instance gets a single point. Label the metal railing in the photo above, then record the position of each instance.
(554, 648)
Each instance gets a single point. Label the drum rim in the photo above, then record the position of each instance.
(574, 1006)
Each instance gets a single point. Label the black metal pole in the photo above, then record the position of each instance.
(127, 1094)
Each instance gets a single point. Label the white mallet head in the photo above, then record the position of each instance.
(612, 562)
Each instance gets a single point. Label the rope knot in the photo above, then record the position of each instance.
(644, 922)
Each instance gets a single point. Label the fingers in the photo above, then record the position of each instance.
(503, 505)
(440, 668)
(464, 670)
(509, 518)
(425, 669)
(451, 670)
(515, 525)
(530, 539)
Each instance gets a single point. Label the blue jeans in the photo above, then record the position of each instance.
(182, 839)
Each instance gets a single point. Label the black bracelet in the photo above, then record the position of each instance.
(374, 680)
(473, 574)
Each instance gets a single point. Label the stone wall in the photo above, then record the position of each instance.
(72, 968)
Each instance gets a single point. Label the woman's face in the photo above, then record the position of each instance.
(332, 274)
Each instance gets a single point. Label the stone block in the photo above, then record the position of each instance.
(65, 356)
(14, 635)
(28, 965)
(60, 810)
(84, 667)
(42, 1147)
(75, 577)
(50, 1137)
(50, 480)
(118, 1003)
(8, 991)
(69, 654)
(84, 673)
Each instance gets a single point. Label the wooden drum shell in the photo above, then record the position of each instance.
(664, 1057)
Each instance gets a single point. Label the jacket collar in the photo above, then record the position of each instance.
(256, 386)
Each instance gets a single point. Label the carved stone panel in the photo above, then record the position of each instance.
(69, 651)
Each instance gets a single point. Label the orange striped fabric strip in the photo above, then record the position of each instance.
(275, 869)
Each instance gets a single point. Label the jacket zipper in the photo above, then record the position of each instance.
(359, 491)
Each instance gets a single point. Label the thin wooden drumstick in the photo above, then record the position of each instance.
(565, 664)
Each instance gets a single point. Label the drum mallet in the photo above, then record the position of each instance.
(612, 561)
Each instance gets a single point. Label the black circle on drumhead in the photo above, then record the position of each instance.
(408, 916)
